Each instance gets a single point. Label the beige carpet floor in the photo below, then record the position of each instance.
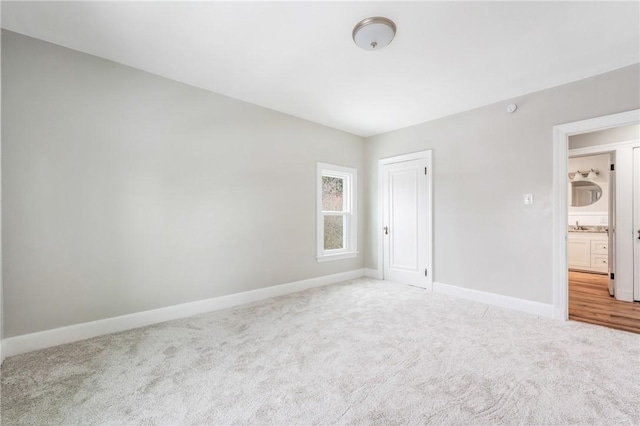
(361, 352)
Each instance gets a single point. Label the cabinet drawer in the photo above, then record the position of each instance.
(600, 262)
(599, 247)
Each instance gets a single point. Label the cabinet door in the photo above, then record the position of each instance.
(579, 251)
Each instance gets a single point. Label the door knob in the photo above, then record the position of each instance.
(386, 230)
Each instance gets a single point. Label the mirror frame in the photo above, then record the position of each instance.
(588, 187)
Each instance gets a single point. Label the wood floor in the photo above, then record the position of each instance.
(589, 301)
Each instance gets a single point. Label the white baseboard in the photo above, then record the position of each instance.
(373, 273)
(528, 306)
(30, 342)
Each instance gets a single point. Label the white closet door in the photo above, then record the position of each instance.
(406, 218)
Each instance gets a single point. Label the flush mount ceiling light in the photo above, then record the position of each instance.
(374, 33)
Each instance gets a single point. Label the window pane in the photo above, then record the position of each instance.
(333, 232)
(332, 191)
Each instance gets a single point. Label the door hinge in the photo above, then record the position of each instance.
(612, 276)
(425, 170)
(613, 167)
(425, 272)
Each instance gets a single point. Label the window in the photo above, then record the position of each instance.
(336, 219)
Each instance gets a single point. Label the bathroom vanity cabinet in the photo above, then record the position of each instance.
(588, 251)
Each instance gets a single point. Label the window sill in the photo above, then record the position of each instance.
(337, 256)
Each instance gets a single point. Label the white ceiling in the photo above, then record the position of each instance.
(299, 58)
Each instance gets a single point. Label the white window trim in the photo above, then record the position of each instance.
(350, 177)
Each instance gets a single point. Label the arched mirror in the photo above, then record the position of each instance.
(584, 193)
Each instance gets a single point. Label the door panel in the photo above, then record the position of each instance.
(636, 223)
(403, 219)
(611, 224)
(406, 216)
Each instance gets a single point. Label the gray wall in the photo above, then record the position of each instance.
(125, 191)
(617, 134)
(484, 161)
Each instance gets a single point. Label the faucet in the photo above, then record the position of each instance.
(577, 226)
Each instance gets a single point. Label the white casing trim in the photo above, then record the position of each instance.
(528, 306)
(373, 273)
(44, 339)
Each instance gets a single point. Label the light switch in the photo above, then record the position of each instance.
(528, 199)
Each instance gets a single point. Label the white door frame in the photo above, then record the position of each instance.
(561, 135)
(636, 222)
(428, 156)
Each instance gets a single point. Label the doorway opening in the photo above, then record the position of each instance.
(622, 225)
(597, 247)
(593, 295)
